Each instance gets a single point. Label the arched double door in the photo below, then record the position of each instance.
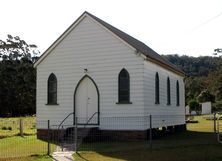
(86, 102)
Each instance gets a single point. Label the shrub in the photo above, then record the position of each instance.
(4, 128)
(194, 105)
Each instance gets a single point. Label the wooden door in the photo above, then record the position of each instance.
(86, 102)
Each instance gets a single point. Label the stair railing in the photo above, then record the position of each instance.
(60, 134)
(61, 125)
(87, 123)
(65, 119)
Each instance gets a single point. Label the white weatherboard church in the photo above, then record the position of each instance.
(96, 71)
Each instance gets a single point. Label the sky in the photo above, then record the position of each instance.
(183, 27)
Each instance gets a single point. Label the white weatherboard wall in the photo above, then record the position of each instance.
(90, 46)
(163, 114)
(206, 108)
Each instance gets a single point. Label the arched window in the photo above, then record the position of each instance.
(124, 86)
(168, 91)
(52, 89)
(178, 93)
(157, 89)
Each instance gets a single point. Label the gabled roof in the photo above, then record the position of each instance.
(138, 45)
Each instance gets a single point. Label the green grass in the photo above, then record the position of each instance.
(198, 143)
(10, 126)
(30, 158)
(17, 148)
(192, 153)
(203, 124)
(23, 148)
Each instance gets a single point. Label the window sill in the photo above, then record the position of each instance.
(168, 104)
(52, 104)
(157, 103)
(119, 103)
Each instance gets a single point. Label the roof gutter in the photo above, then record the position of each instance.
(166, 66)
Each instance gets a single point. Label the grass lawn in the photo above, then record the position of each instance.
(198, 143)
(10, 126)
(23, 148)
(203, 125)
(191, 153)
(16, 148)
(30, 158)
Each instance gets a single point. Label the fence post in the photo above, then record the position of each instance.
(62, 138)
(215, 130)
(48, 140)
(21, 126)
(76, 134)
(218, 129)
(151, 132)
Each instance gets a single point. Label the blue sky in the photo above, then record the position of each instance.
(184, 27)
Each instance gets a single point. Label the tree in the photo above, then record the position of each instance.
(194, 66)
(193, 87)
(194, 105)
(17, 77)
(202, 73)
(206, 96)
(217, 51)
(215, 82)
(14, 48)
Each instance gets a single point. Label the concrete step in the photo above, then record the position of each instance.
(65, 148)
(63, 156)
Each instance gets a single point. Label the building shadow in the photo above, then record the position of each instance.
(187, 145)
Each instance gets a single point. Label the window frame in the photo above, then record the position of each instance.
(157, 89)
(52, 91)
(121, 89)
(178, 93)
(168, 92)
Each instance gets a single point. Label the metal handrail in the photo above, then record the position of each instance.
(65, 119)
(90, 118)
(73, 114)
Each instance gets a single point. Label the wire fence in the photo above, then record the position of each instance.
(15, 126)
(24, 137)
(154, 131)
(18, 139)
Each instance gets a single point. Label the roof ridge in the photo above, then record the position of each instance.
(137, 44)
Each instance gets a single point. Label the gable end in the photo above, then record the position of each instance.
(133, 43)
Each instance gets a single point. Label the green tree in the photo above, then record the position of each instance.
(194, 66)
(202, 73)
(193, 87)
(215, 82)
(194, 105)
(17, 77)
(206, 96)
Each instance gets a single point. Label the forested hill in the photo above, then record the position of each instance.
(203, 80)
(195, 66)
